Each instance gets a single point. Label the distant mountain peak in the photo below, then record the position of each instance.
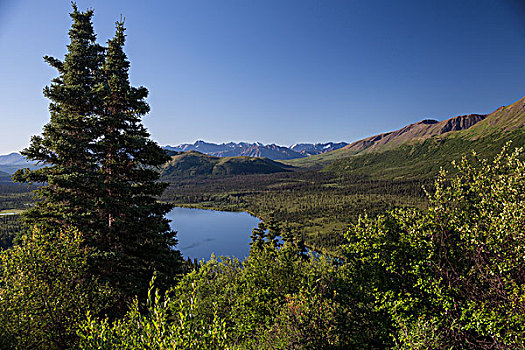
(13, 161)
(415, 132)
(257, 149)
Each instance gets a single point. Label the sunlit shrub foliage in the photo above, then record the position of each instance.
(46, 290)
(452, 276)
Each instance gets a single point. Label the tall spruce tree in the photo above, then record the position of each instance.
(100, 174)
(65, 144)
(136, 237)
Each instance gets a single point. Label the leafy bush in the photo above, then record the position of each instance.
(45, 290)
(276, 299)
(452, 276)
(167, 324)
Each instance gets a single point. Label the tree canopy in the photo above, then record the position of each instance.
(100, 173)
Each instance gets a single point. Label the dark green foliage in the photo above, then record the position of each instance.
(189, 164)
(101, 166)
(46, 290)
(13, 198)
(65, 144)
(424, 160)
(10, 227)
(133, 235)
(452, 276)
(317, 206)
(258, 235)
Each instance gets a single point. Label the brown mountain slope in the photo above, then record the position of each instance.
(503, 119)
(423, 159)
(414, 132)
(469, 127)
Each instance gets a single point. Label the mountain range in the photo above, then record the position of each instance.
(420, 150)
(192, 163)
(417, 149)
(12, 162)
(257, 149)
(414, 132)
(482, 132)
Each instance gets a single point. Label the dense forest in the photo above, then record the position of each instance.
(317, 206)
(14, 198)
(407, 262)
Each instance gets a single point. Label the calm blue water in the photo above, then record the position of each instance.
(203, 232)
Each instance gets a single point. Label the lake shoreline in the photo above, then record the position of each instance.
(205, 231)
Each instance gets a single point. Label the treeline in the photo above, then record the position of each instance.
(317, 205)
(10, 227)
(15, 196)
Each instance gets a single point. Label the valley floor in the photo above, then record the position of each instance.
(317, 206)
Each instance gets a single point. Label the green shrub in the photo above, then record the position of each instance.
(275, 299)
(45, 290)
(166, 324)
(452, 276)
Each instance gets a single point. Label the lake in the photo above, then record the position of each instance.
(203, 232)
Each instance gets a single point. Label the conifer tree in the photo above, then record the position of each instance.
(100, 164)
(257, 236)
(65, 144)
(135, 235)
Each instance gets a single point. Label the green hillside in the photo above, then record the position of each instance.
(498, 125)
(319, 160)
(424, 159)
(193, 163)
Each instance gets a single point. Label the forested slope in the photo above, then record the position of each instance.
(424, 159)
(188, 164)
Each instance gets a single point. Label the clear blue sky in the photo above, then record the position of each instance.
(278, 71)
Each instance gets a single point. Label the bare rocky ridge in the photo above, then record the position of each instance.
(415, 132)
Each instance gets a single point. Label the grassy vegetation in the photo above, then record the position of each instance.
(319, 160)
(423, 161)
(316, 205)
